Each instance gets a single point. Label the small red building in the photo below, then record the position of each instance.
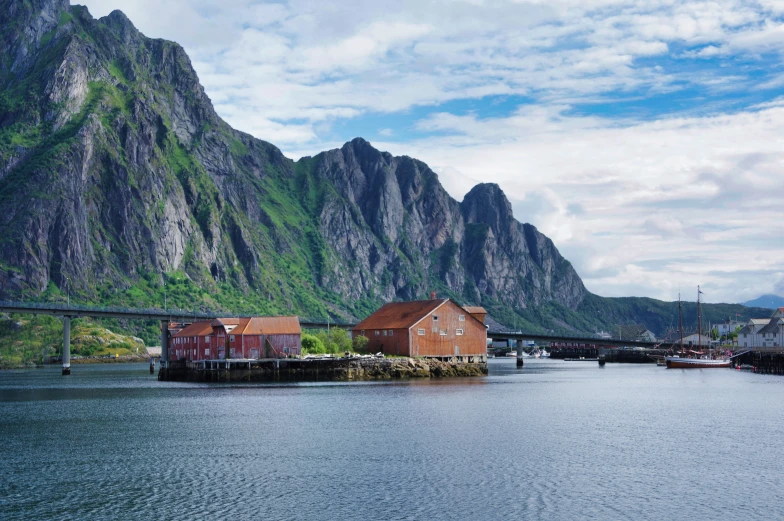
(430, 328)
(241, 338)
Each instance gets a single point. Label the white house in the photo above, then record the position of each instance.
(763, 332)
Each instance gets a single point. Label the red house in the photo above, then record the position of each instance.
(240, 338)
(430, 328)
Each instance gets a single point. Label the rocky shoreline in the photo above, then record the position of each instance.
(339, 369)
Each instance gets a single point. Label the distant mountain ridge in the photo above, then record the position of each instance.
(766, 301)
(120, 184)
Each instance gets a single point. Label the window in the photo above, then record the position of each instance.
(384, 333)
(362, 332)
(286, 350)
(231, 352)
(458, 331)
(193, 352)
(209, 338)
(231, 338)
(435, 318)
(377, 333)
(442, 332)
(391, 331)
(461, 318)
(206, 352)
(421, 332)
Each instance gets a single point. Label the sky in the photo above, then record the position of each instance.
(645, 138)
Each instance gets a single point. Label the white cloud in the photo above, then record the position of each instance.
(670, 203)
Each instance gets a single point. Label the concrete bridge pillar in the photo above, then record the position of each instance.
(519, 353)
(164, 342)
(66, 346)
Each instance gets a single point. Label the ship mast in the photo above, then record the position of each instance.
(680, 322)
(699, 320)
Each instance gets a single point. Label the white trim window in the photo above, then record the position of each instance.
(207, 352)
(377, 332)
(384, 332)
(231, 338)
(461, 318)
(435, 318)
(209, 339)
(458, 332)
(442, 332)
(421, 332)
(391, 331)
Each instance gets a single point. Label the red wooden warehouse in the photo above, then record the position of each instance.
(430, 328)
(240, 338)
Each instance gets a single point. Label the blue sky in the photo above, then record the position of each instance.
(644, 137)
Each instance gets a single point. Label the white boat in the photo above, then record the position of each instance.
(544, 354)
(676, 362)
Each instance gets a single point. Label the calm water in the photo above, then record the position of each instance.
(555, 440)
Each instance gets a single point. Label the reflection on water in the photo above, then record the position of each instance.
(553, 440)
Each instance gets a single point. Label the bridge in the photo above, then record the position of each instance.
(68, 312)
(519, 336)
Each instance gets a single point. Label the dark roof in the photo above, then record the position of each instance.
(745, 330)
(400, 315)
(772, 327)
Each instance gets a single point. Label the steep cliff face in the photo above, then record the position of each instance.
(116, 175)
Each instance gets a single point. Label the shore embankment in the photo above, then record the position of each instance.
(325, 369)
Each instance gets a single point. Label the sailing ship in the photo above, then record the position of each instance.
(704, 361)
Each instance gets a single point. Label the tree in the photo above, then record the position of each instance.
(714, 334)
(360, 344)
(312, 345)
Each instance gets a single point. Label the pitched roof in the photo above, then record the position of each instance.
(758, 321)
(196, 329)
(269, 326)
(475, 310)
(400, 315)
(745, 330)
(772, 327)
(246, 326)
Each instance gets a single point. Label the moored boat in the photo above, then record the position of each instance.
(703, 361)
(675, 362)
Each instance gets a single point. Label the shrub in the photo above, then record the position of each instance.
(360, 344)
(312, 345)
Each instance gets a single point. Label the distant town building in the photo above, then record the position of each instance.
(243, 338)
(727, 327)
(429, 328)
(694, 340)
(763, 332)
(637, 333)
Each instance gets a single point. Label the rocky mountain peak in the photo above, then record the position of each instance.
(487, 203)
(122, 26)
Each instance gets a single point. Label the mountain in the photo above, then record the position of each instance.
(766, 301)
(119, 184)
